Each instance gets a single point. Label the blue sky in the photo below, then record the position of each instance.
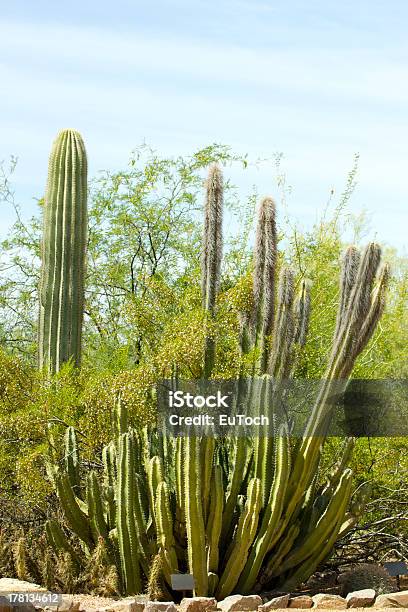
(317, 80)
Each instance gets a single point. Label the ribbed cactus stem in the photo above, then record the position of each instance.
(275, 560)
(361, 295)
(212, 240)
(76, 518)
(20, 559)
(318, 552)
(349, 341)
(154, 584)
(280, 359)
(268, 532)
(95, 508)
(244, 536)
(245, 339)
(374, 314)
(126, 531)
(241, 454)
(211, 255)
(165, 537)
(180, 489)
(357, 506)
(194, 516)
(325, 526)
(63, 253)
(119, 418)
(356, 312)
(263, 444)
(71, 459)
(214, 523)
(47, 570)
(58, 540)
(109, 461)
(342, 463)
(109, 464)
(137, 520)
(207, 460)
(302, 312)
(154, 477)
(349, 268)
(264, 277)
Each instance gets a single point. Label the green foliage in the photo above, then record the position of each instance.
(383, 463)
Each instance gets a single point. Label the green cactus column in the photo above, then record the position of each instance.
(212, 255)
(196, 545)
(63, 253)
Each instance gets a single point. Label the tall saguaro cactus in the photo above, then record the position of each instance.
(63, 253)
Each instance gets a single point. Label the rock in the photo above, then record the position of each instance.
(240, 603)
(360, 599)
(198, 604)
(277, 602)
(160, 606)
(328, 601)
(7, 606)
(392, 600)
(127, 605)
(12, 585)
(301, 601)
(68, 604)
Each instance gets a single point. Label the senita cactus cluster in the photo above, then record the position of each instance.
(240, 514)
(63, 253)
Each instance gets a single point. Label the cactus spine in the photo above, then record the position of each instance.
(63, 253)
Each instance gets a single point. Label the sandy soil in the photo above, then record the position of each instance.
(89, 602)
